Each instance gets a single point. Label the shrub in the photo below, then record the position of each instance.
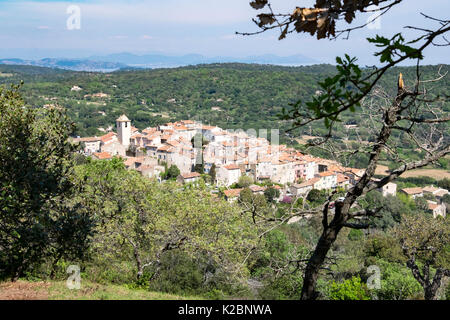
(397, 282)
(355, 235)
(245, 181)
(271, 194)
(351, 289)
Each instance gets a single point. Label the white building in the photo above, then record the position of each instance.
(283, 172)
(189, 177)
(300, 190)
(437, 209)
(124, 130)
(76, 88)
(437, 192)
(328, 180)
(90, 144)
(228, 175)
(389, 189)
(264, 169)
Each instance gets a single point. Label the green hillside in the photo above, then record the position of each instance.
(228, 95)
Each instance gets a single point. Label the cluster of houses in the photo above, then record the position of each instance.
(438, 207)
(232, 153)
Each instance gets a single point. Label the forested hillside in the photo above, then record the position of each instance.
(228, 95)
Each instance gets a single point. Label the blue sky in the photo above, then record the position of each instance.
(37, 29)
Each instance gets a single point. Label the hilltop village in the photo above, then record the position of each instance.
(231, 154)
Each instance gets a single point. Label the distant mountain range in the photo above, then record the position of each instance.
(162, 61)
(68, 64)
(126, 60)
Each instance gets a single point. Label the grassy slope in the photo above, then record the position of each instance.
(57, 290)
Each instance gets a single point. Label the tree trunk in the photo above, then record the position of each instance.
(54, 265)
(430, 294)
(16, 274)
(140, 268)
(17, 271)
(432, 288)
(341, 215)
(316, 261)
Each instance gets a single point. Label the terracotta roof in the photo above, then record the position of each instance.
(231, 193)
(107, 137)
(355, 171)
(165, 148)
(191, 175)
(103, 155)
(441, 192)
(128, 162)
(412, 190)
(180, 128)
(308, 183)
(149, 130)
(231, 167)
(87, 139)
(430, 189)
(342, 178)
(256, 188)
(173, 143)
(327, 174)
(336, 168)
(166, 137)
(432, 205)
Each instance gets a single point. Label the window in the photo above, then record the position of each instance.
(126, 124)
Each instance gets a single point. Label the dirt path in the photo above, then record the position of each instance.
(21, 290)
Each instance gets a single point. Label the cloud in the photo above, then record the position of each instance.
(147, 37)
(119, 37)
(170, 11)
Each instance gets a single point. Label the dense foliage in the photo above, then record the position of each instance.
(37, 220)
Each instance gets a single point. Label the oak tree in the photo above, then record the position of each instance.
(409, 110)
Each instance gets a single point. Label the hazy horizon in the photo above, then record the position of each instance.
(37, 29)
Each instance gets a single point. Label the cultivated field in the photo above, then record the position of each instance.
(437, 174)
